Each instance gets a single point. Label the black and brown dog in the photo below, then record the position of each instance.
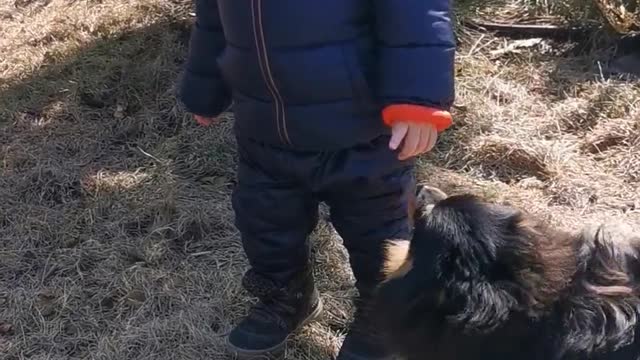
(481, 281)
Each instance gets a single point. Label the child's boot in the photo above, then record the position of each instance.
(279, 312)
(363, 341)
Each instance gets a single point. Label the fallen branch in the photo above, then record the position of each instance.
(530, 30)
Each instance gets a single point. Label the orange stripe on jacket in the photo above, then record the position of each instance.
(417, 114)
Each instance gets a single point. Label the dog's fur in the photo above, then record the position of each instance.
(483, 281)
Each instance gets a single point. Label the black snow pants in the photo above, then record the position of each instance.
(276, 205)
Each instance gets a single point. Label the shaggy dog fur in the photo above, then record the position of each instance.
(483, 281)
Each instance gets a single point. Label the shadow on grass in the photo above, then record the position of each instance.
(117, 236)
(112, 246)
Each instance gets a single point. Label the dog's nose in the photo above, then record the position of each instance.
(429, 196)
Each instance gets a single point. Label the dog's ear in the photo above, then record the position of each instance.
(485, 306)
(478, 292)
(603, 311)
(426, 197)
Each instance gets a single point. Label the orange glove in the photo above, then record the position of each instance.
(417, 114)
(415, 127)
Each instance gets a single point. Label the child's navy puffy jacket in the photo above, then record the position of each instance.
(316, 74)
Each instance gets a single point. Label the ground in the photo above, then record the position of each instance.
(116, 233)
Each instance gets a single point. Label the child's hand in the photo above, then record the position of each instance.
(416, 138)
(205, 121)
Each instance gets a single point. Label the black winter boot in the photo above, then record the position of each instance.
(279, 312)
(363, 340)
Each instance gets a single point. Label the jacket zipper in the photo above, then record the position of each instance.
(263, 60)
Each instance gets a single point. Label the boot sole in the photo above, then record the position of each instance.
(274, 352)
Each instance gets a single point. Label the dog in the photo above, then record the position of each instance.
(482, 281)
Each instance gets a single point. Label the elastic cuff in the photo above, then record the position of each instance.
(417, 114)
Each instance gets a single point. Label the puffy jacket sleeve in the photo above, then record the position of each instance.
(202, 89)
(416, 52)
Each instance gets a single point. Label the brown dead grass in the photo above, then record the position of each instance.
(116, 232)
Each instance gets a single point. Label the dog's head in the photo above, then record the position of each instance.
(473, 268)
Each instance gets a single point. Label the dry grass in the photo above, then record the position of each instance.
(621, 16)
(116, 233)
